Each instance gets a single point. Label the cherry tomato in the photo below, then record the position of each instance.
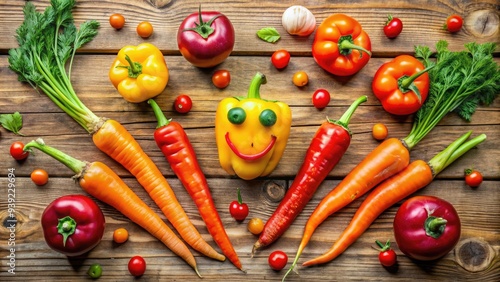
(393, 27)
(386, 256)
(117, 21)
(95, 271)
(379, 131)
(144, 29)
(238, 209)
(321, 98)
(277, 260)
(137, 266)
(16, 151)
(120, 235)
(183, 104)
(39, 176)
(255, 226)
(221, 78)
(300, 78)
(473, 178)
(454, 23)
(280, 59)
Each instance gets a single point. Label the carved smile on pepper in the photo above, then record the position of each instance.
(250, 157)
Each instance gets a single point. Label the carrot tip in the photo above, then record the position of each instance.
(197, 272)
(256, 246)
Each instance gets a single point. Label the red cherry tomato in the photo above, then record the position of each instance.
(39, 176)
(117, 21)
(183, 104)
(386, 256)
(238, 209)
(221, 78)
(321, 98)
(280, 59)
(137, 266)
(145, 29)
(393, 27)
(16, 151)
(454, 23)
(473, 178)
(277, 260)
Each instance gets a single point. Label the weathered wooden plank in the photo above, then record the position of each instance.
(35, 256)
(481, 22)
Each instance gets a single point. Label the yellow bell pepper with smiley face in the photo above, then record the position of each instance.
(251, 133)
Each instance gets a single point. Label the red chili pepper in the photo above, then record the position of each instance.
(341, 46)
(401, 85)
(73, 224)
(175, 145)
(326, 149)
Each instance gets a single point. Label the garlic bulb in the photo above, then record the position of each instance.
(298, 20)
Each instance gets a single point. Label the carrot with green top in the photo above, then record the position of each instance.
(459, 82)
(175, 145)
(414, 177)
(44, 66)
(98, 180)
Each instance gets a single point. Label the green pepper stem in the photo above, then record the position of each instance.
(346, 117)
(134, 68)
(455, 150)
(434, 226)
(346, 45)
(75, 165)
(66, 226)
(162, 120)
(254, 89)
(406, 83)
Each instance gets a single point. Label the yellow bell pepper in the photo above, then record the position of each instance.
(139, 72)
(251, 133)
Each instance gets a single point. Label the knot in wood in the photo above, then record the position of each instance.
(474, 254)
(482, 23)
(274, 190)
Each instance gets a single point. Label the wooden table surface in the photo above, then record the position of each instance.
(479, 208)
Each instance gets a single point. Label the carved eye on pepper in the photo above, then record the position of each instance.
(401, 85)
(139, 72)
(341, 46)
(251, 133)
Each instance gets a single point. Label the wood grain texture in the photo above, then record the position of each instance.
(478, 208)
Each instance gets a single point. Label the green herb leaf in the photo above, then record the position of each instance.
(269, 34)
(12, 122)
(459, 82)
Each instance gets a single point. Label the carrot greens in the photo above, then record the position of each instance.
(460, 81)
(47, 45)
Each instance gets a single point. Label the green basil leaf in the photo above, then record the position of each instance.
(269, 34)
(12, 122)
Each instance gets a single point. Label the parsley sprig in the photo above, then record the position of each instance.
(460, 81)
(47, 45)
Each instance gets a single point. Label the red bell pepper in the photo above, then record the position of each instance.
(339, 45)
(73, 224)
(426, 227)
(175, 145)
(401, 85)
(326, 149)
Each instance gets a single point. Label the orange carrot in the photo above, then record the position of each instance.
(101, 182)
(415, 176)
(48, 71)
(387, 159)
(114, 140)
